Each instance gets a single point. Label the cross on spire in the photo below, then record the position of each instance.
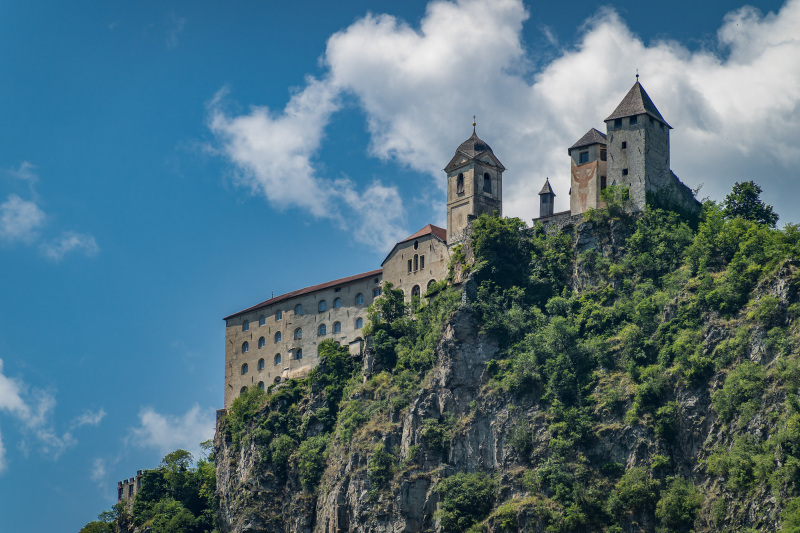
(473, 123)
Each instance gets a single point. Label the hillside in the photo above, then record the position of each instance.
(639, 373)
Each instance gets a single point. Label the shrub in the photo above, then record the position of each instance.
(636, 490)
(679, 504)
(743, 384)
(243, 411)
(381, 465)
(312, 461)
(666, 420)
(465, 500)
(281, 448)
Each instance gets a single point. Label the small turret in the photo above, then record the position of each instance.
(546, 200)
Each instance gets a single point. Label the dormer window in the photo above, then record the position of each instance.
(583, 157)
(460, 183)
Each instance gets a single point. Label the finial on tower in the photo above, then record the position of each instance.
(473, 123)
(637, 74)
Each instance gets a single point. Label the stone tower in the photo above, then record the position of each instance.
(588, 161)
(474, 186)
(638, 147)
(546, 200)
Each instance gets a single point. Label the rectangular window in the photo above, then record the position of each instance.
(624, 145)
(602, 182)
(584, 157)
(618, 123)
(624, 171)
(652, 121)
(633, 121)
(603, 155)
(421, 262)
(337, 289)
(376, 292)
(409, 265)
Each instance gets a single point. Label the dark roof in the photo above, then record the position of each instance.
(474, 146)
(430, 229)
(308, 290)
(547, 189)
(591, 137)
(637, 102)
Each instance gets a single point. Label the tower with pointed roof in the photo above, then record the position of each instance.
(638, 147)
(588, 173)
(474, 185)
(546, 200)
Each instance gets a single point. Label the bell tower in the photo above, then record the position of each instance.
(474, 185)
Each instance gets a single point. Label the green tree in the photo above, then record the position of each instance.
(679, 504)
(744, 202)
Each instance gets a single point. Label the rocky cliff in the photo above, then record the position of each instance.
(639, 386)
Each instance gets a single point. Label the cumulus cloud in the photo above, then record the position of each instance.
(20, 219)
(734, 102)
(165, 433)
(70, 241)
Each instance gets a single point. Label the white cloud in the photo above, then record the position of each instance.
(99, 470)
(175, 28)
(89, 418)
(166, 433)
(20, 219)
(735, 102)
(25, 172)
(33, 410)
(70, 241)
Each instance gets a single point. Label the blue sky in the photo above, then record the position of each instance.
(164, 164)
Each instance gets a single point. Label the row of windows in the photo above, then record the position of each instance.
(487, 183)
(298, 333)
(298, 354)
(633, 121)
(418, 263)
(322, 306)
(583, 157)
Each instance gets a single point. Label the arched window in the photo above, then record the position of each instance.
(415, 291)
(277, 358)
(322, 329)
(359, 323)
(245, 325)
(487, 183)
(244, 369)
(337, 303)
(430, 284)
(241, 391)
(245, 347)
(460, 183)
(337, 327)
(261, 385)
(359, 299)
(298, 354)
(262, 342)
(262, 320)
(277, 337)
(261, 364)
(323, 306)
(416, 262)
(298, 333)
(298, 309)
(277, 379)
(278, 315)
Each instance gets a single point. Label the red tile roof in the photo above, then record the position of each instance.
(430, 229)
(308, 290)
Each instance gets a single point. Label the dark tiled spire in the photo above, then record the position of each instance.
(637, 102)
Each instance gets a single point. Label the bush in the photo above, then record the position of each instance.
(636, 490)
(381, 465)
(679, 504)
(312, 461)
(743, 384)
(465, 500)
(243, 411)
